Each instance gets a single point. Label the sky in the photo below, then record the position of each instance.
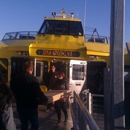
(28, 15)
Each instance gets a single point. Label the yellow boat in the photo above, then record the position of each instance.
(60, 41)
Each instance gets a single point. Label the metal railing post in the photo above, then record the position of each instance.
(89, 102)
(76, 108)
(74, 115)
(79, 118)
(83, 120)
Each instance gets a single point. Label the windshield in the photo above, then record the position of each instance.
(61, 28)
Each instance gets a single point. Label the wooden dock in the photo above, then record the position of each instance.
(47, 120)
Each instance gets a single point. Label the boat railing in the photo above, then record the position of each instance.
(20, 35)
(82, 119)
(97, 38)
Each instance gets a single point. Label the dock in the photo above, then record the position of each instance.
(47, 120)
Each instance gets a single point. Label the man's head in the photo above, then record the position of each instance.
(53, 68)
(28, 67)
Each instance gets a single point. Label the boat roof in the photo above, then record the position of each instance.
(63, 16)
(63, 19)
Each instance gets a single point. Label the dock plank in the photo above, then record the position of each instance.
(47, 120)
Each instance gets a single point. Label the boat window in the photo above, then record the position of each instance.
(11, 35)
(61, 28)
(4, 68)
(78, 72)
(76, 29)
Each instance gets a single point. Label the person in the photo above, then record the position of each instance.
(27, 94)
(61, 84)
(99, 78)
(6, 112)
(50, 82)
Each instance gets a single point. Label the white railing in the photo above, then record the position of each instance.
(96, 38)
(95, 105)
(22, 35)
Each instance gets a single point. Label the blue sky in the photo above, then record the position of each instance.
(28, 15)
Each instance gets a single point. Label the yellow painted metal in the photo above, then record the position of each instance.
(67, 47)
(126, 59)
(98, 49)
(5, 52)
(3, 65)
(97, 53)
(19, 42)
(47, 38)
(63, 19)
(43, 88)
(2, 44)
(18, 48)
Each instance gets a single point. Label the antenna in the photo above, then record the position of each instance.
(77, 14)
(85, 15)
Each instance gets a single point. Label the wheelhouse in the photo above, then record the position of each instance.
(61, 27)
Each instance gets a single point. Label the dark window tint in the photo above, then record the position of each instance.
(61, 28)
(38, 65)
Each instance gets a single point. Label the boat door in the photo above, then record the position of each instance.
(16, 65)
(77, 75)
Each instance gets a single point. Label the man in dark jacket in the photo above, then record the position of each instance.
(27, 93)
(51, 78)
(50, 82)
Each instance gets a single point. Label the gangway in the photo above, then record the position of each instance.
(78, 117)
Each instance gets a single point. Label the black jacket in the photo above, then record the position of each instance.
(51, 79)
(27, 91)
(61, 84)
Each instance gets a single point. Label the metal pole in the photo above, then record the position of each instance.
(107, 103)
(89, 102)
(85, 15)
(117, 64)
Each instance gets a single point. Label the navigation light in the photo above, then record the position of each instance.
(72, 15)
(54, 14)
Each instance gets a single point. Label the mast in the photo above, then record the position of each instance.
(85, 15)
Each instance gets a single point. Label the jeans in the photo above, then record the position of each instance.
(30, 115)
(7, 120)
(49, 106)
(58, 106)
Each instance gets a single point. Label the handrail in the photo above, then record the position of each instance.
(87, 118)
(75, 125)
(97, 38)
(21, 35)
(97, 95)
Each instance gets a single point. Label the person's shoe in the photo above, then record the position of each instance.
(65, 121)
(58, 122)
